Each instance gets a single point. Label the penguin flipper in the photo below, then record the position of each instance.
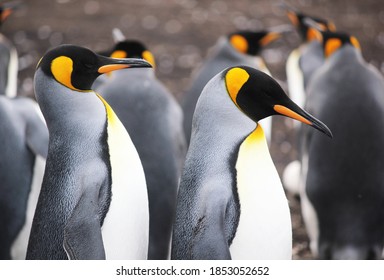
(210, 241)
(82, 233)
(37, 136)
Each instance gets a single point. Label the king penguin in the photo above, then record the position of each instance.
(237, 48)
(8, 55)
(343, 180)
(24, 147)
(153, 118)
(93, 202)
(303, 61)
(231, 204)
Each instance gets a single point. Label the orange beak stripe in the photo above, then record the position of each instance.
(289, 113)
(269, 38)
(111, 67)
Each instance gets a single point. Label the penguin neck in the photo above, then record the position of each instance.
(344, 58)
(218, 125)
(67, 110)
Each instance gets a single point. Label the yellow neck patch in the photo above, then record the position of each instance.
(256, 136)
(61, 68)
(119, 54)
(239, 43)
(331, 46)
(234, 80)
(111, 116)
(148, 56)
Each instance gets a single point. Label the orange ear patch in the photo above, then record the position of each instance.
(239, 43)
(331, 46)
(61, 68)
(234, 80)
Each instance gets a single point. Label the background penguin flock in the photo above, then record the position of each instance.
(180, 46)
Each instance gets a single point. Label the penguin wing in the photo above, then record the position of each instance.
(210, 241)
(205, 237)
(82, 232)
(36, 134)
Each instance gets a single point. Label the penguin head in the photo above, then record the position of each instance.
(249, 42)
(258, 96)
(77, 67)
(6, 9)
(306, 31)
(132, 49)
(333, 41)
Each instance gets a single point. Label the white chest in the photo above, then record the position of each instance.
(295, 78)
(264, 230)
(126, 225)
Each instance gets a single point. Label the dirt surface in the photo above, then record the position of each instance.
(179, 33)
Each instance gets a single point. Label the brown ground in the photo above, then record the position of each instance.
(179, 32)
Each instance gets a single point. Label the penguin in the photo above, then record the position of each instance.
(8, 55)
(342, 187)
(231, 204)
(303, 61)
(153, 118)
(237, 48)
(93, 202)
(24, 147)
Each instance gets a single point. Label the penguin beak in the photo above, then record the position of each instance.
(108, 64)
(295, 112)
(8, 9)
(269, 38)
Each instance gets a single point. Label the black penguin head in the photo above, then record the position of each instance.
(333, 41)
(77, 67)
(306, 31)
(259, 96)
(250, 42)
(132, 49)
(6, 9)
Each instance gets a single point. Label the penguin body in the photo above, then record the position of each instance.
(301, 64)
(153, 119)
(223, 55)
(8, 55)
(342, 183)
(8, 68)
(23, 138)
(231, 204)
(93, 202)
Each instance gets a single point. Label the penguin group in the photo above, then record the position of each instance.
(106, 163)
(340, 182)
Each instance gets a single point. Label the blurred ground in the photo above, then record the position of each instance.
(179, 33)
